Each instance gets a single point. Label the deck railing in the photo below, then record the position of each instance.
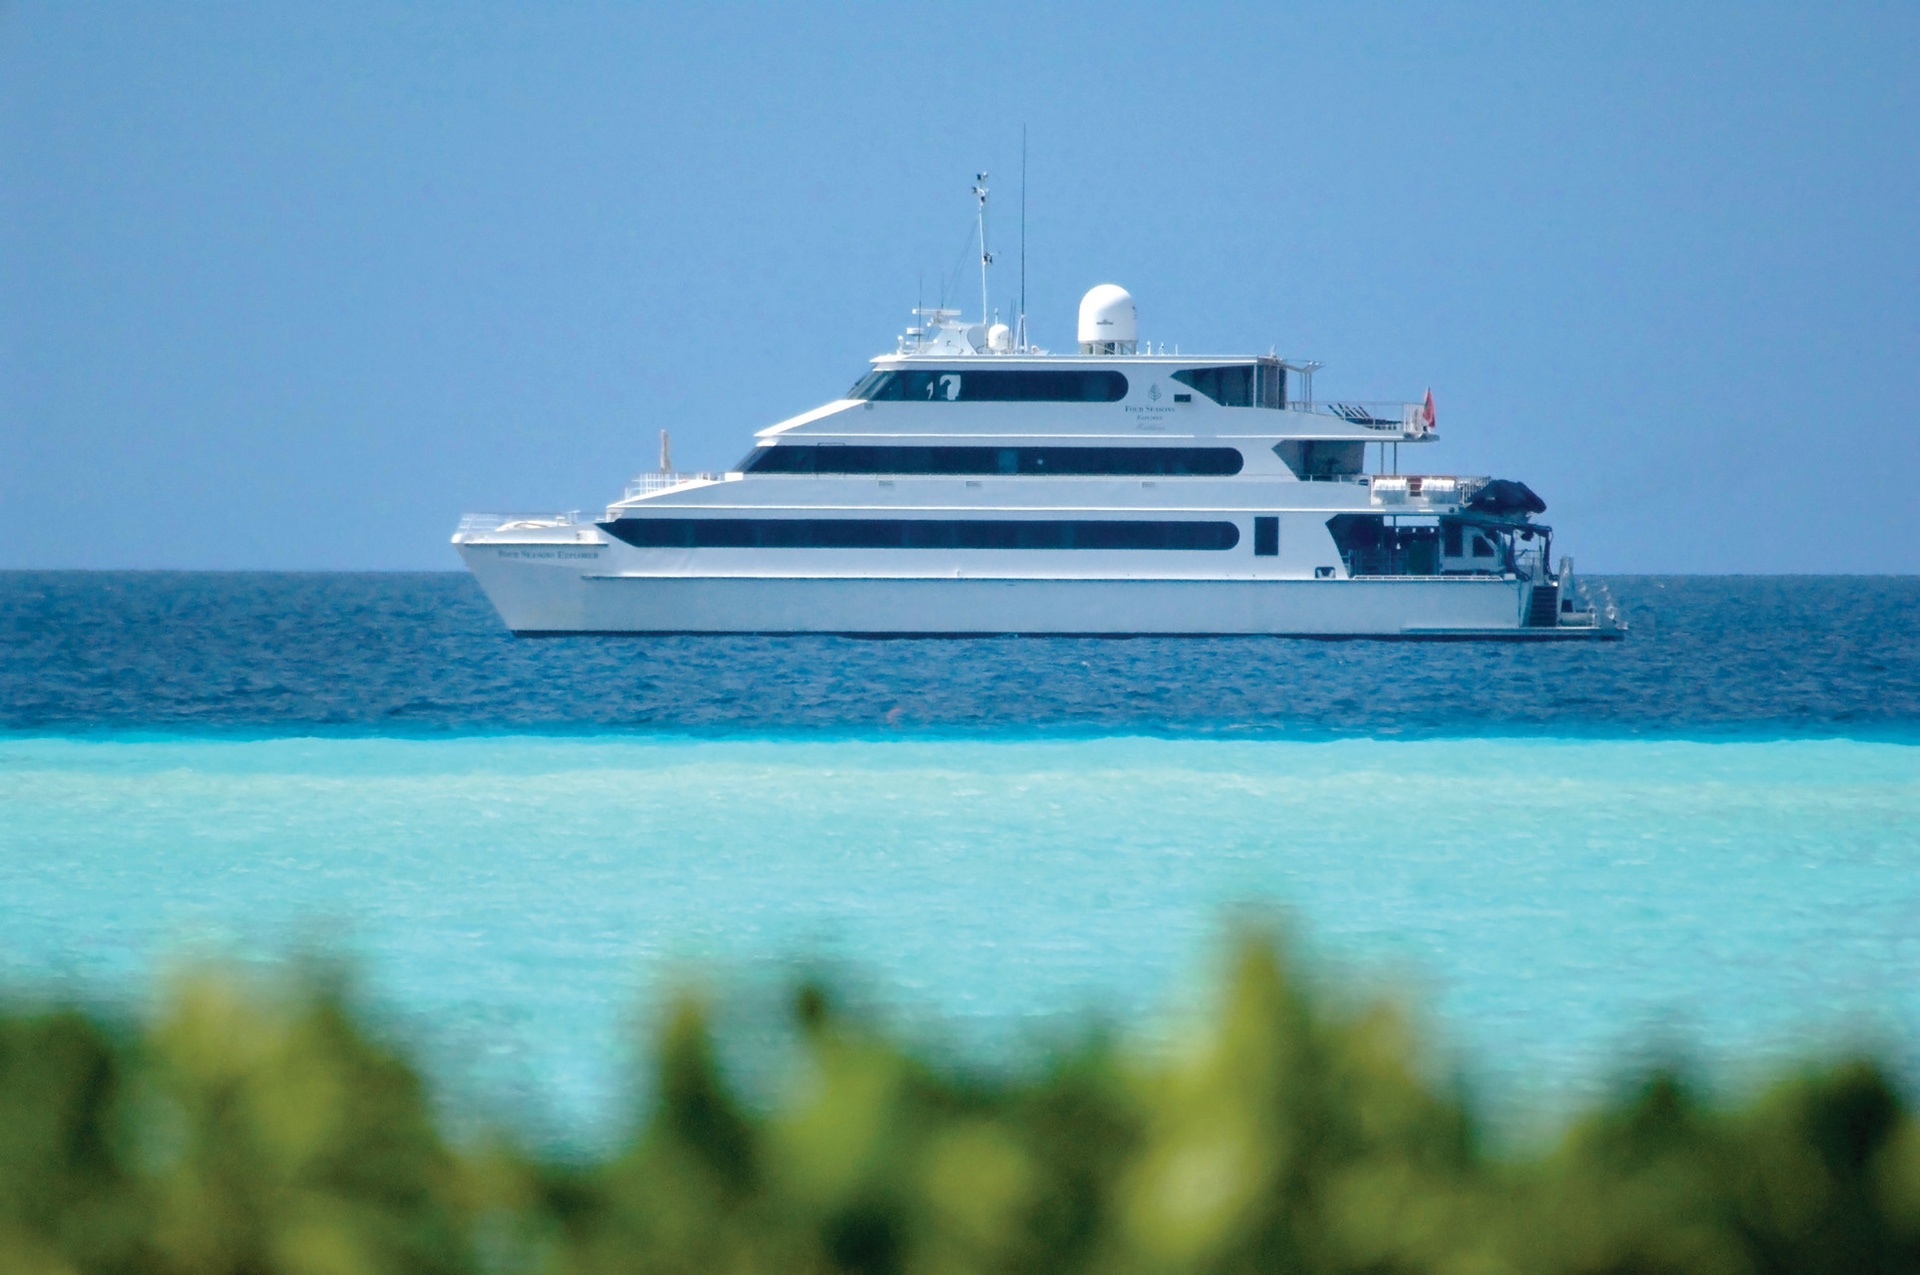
(1444, 489)
(481, 524)
(1408, 420)
(661, 479)
(1600, 604)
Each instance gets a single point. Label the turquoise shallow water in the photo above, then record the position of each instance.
(1554, 903)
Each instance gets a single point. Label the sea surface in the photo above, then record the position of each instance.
(1704, 840)
(1708, 656)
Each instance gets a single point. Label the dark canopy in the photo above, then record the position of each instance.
(1506, 496)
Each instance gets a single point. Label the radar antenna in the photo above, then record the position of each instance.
(986, 258)
(1020, 337)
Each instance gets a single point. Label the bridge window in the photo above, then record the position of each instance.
(1227, 386)
(992, 385)
(1262, 383)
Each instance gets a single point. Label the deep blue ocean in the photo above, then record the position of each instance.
(1703, 839)
(423, 653)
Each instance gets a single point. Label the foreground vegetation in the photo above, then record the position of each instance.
(241, 1132)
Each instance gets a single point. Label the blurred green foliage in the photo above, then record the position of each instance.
(243, 1132)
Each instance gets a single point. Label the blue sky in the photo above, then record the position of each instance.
(292, 287)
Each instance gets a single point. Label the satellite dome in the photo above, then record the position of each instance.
(1108, 322)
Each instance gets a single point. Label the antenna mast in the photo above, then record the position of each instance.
(986, 258)
(1020, 342)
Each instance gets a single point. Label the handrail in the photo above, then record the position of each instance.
(1386, 416)
(1611, 610)
(476, 525)
(1444, 489)
(662, 479)
(470, 523)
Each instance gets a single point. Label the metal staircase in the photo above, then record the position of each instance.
(1543, 612)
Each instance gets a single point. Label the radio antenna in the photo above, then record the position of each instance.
(986, 258)
(1021, 343)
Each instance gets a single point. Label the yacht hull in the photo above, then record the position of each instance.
(548, 597)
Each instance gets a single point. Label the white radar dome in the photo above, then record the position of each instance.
(1000, 338)
(1108, 322)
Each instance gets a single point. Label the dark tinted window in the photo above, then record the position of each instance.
(992, 385)
(864, 387)
(1321, 458)
(1372, 546)
(919, 533)
(1261, 384)
(1271, 387)
(1227, 386)
(1266, 537)
(832, 458)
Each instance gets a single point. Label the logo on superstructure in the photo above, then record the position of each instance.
(1153, 392)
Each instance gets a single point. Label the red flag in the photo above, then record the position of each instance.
(1426, 412)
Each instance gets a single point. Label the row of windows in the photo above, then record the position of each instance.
(797, 458)
(1369, 545)
(1262, 383)
(919, 533)
(992, 386)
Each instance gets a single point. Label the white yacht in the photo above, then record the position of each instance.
(971, 484)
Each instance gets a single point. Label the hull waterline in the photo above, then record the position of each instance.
(553, 598)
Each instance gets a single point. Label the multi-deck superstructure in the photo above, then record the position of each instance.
(971, 484)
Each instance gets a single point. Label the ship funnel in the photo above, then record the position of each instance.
(1108, 323)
